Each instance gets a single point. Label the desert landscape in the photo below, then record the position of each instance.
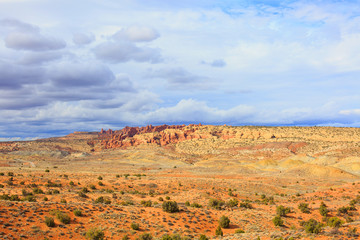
(183, 182)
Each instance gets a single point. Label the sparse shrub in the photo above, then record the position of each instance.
(312, 226)
(343, 210)
(167, 198)
(49, 221)
(282, 211)
(10, 174)
(334, 222)
(95, 234)
(166, 237)
(46, 199)
(47, 170)
(146, 203)
(125, 237)
(203, 237)
(82, 194)
(246, 205)
(304, 207)
(170, 206)
(100, 183)
(352, 232)
(218, 231)
(71, 183)
(323, 209)
(85, 190)
(232, 202)
(38, 191)
(63, 200)
(102, 199)
(117, 175)
(216, 204)
(63, 217)
(26, 193)
(196, 205)
(224, 222)
(135, 226)
(100, 178)
(277, 221)
(145, 236)
(187, 203)
(78, 213)
(92, 186)
(30, 198)
(238, 231)
(161, 199)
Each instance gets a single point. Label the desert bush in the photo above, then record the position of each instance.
(216, 204)
(145, 236)
(63, 217)
(85, 190)
(82, 194)
(10, 174)
(38, 191)
(92, 186)
(102, 199)
(334, 222)
(167, 198)
(71, 183)
(26, 193)
(232, 202)
(30, 198)
(100, 183)
(160, 199)
(352, 232)
(49, 221)
(187, 203)
(282, 211)
(100, 177)
(135, 226)
(246, 204)
(63, 200)
(170, 206)
(146, 203)
(277, 221)
(218, 231)
(78, 213)
(311, 226)
(95, 234)
(224, 222)
(196, 205)
(323, 209)
(343, 210)
(47, 170)
(51, 184)
(46, 199)
(238, 231)
(203, 237)
(304, 207)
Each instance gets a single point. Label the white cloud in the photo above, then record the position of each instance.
(136, 34)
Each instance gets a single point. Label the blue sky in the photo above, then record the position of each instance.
(86, 65)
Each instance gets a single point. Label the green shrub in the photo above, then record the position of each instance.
(146, 203)
(82, 194)
(101, 199)
(343, 210)
(304, 207)
(312, 226)
(203, 237)
(218, 231)
(238, 231)
(145, 236)
(63, 217)
(224, 222)
(232, 202)
(30, 198)
(216, 204)
(38, 191)
(323, 209)
(71, 183)
(49, 221)
(277, 221)
(47, 170)
(100, 178)
(167, 198)
(187, 203)
(95, 234)
(135, 226)
(282, 211)
(170, 206)
(246, 205)
(161, 199)
(63, 200)
(100, 183)
(196, 205)
(78, 213)
(334, 222)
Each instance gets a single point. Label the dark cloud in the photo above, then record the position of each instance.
(136, 34)
(33, 42)
(40, 58)
(219, 63)
(14, 77)
(83, 39)
(117, 52)
(80, 75)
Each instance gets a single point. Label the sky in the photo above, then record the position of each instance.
(89, 64)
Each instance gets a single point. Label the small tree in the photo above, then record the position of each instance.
(334, 222)
(224, 222)
(304, 207)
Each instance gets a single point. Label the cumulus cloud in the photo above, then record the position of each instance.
(136, 34)
(83, 39)
(16, 25)
(33, 42)
(350, 112)
(122, 51)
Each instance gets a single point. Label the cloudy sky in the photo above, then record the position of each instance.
(92, 64)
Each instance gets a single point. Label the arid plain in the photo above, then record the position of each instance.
(116, 183)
